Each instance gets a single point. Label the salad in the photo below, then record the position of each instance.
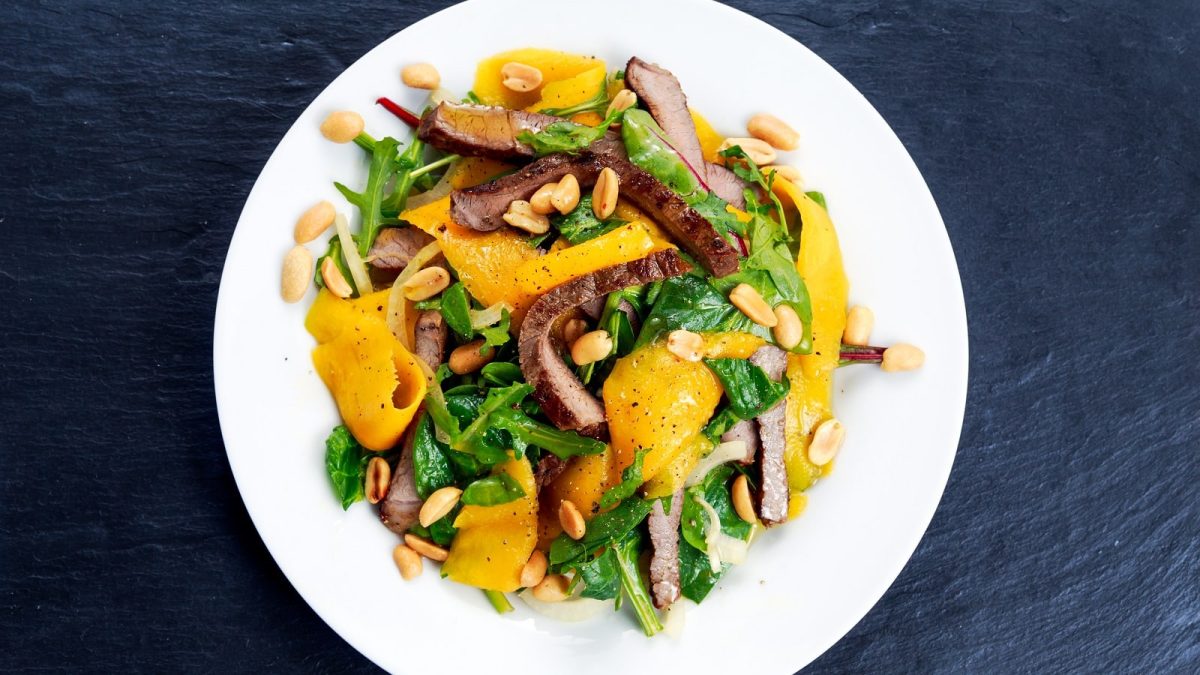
(582, 344)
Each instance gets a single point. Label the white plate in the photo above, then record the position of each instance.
(805, 585)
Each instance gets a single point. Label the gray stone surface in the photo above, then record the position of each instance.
(1059, 138)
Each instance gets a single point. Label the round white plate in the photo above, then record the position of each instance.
(804, 585)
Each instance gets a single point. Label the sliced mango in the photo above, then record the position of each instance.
(555, 66)
(624, 244)
(572, 91)
(494, 542)
(583, 482)
(472, 171)
(710, 140)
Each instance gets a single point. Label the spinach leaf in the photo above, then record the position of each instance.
(631, 480)
(481, 438)
(582, 224)
(650, 150)
(601, 576)
(440, 531)
(747, 170)
(603, 530)
(690, 302)
(715, 210)
(634, 584)
(720, 423)
(749, 390)
(346, 463)
(496, 489)
(567, 137)
(714, 489)
(494, 336)
(431, 469)
(456, 310)
(696, 577)
(528, 431)
(501, 373)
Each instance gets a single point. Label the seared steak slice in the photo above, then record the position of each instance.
(400, 507)
(660, 92)
(481, 131)
(773, 479)
(482, 207)
(392, 250)
(549, 467)
(745, 431)
(727, 185)
(664, 542)
(562, 397)
(429, 337)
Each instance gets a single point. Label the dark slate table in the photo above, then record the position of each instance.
(1060, 139)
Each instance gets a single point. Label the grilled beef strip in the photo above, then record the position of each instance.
(662, 95)
(392, 250)
(562, 396)
(399, 509)
(481, 131)
(664, 541)
(549, 467)
(429, 337)
(727, 185)
(773, 479)
(745, 431)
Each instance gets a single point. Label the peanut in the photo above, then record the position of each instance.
(468, 359)
(604, 195)
(408, 561)
(571, 520)
(420, 76)
(426, 283)
(440, 503)
(759, 152)
(573, 330)
(624, 100)
(379, 477)
(520, 77)
(746, 299)
(534, 570)
(426, 548)
(742, 503)
(591, 347)
(297, 271)
(859, 322)
(553, 588)
(334, 280)
(521, 215)
(788, 331)
(774, 131)
(902, 357)
(314, 221)
(826, 442)
(342, 126)
(540, 201)
(685, 345)
(566, 196)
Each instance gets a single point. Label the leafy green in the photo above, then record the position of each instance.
(567, 137)
(631, 480)
(527, 431)
(431, 469)
(720, 423)
(603, 530)
(499, 601)
(456, 310)
(581, 224)
(601, 576)
(616, 324)
(749, 390)
(335, 252)
(715, 211)
(346, 463)
(747, 170)
(696, 577)
(818, 197)
(650, 150)
(634, 584)
(498, 488)
(494, 336)
(714, 489)
(440, 531)
(501, 373)
(388, 167)
(690, 302)
(472, 97)
(598, 103)
(479, 438)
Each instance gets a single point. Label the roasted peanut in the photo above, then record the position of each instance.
(573, 330)
(604, 195)
(789, 173)
(521, 215)
(859, 322)
(624, 100)
(591, 347)
(426, 548)
(540, 201)
(408, 560)
(826, 442)
(789, 330)
(426, 284)
(468, 359)
(420, 76)
(902, 357)
(571, 520)
(742, 503)
(297, 272)
(520, 77)
(566, 196)
(379, 477)
(334, 280)
(534, 570)
(553, 588)
(342, 126)
(760, 152)
(774, 131)
(748, 300)
(440, 503)
(685, 345)
(314, 221)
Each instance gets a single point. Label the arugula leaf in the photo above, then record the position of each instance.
(603, 530)
(747, 170)
(749, 390)
(501, 373)
(567, 137)
(581, 224)
(456, 310)
(818, 197)
(494, 336)
(601, 576)
(335, 251)
(631, 480)
(346, 463)
(716, 211)
(475, 438)
(431, 469)
(560, 443)
(634, 583)
(496, 489)
(690, 302)
(388, 167)
(440, 531)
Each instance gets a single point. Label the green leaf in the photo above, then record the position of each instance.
(581, 224)
(496, 489)
(715, 490)
(696, 577)
(601, 576)
(603, 530)
(501, 373)
(561, 443)
(715, 211)
(598, 103)
(631, 480)
(494, 336)
(567, 137)
(634, 583)
(431, 469)
(456, 310)
(475, 438)
(346, 463)
(749, 390)
(690, 302)
(650, 149)
(818, 197)
(720, 423)
(334, 251)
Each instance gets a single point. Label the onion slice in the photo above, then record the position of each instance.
(440, 189)
(482, 318)
(358, 269)
(397, 313)
(725, 452)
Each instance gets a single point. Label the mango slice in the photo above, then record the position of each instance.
(555, 66)
(494, 542)
(624, 244)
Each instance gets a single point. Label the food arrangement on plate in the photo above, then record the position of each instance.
(581, 343)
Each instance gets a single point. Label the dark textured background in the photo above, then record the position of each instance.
(1060, 140)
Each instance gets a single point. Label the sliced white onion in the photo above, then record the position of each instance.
(674, 619)
(574, 609)
(482, 318)
(358, 269)
(441, 95)
(440, 189)
(397, 319)
(712, 534)
(725, 452)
